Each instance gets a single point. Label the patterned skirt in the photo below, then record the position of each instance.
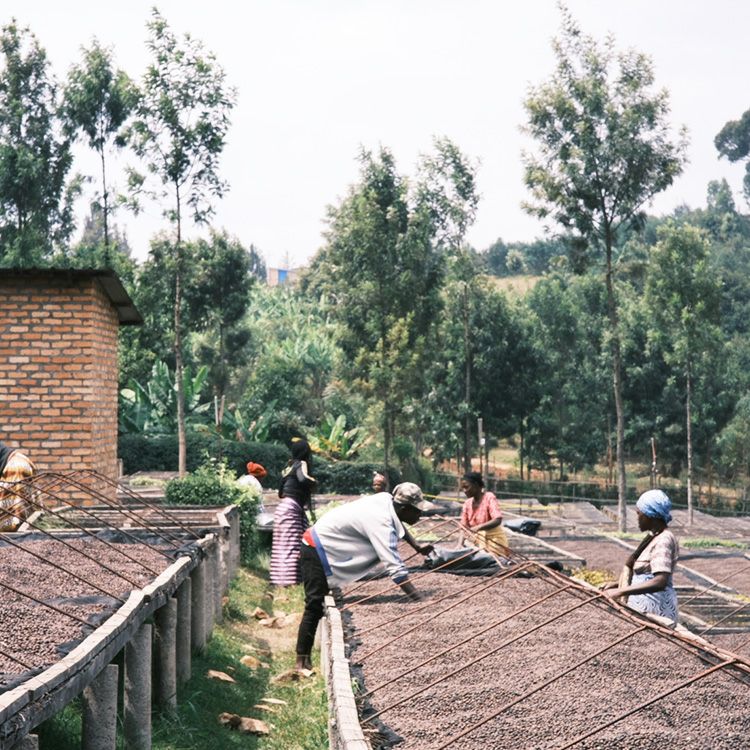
(289, 523)
(14, 507)
(662, 603)
(493, 540)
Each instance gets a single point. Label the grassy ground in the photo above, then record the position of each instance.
(301, 724)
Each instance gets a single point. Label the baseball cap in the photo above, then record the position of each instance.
(407, 493)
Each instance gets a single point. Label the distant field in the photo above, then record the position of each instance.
(518, 284)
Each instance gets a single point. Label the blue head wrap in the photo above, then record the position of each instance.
(655, 504)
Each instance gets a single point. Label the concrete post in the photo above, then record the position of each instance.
(210, 602)
(99, 703)
(225, 552)
(29, 742)
(165, 656)
(198, 607)
(236, 544)
(219, 579)
(137, 699)
(211, 585)
(184, 600)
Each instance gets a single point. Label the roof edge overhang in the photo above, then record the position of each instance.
(127, 312)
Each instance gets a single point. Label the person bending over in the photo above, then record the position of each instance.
(345, 544)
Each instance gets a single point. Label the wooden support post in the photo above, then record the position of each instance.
(99, 720)
(182, 651)
(198, 607)
(165, 657)
(137, 702)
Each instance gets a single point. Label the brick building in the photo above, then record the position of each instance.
(58, 366)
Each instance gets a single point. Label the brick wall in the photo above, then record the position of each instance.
(58, 371)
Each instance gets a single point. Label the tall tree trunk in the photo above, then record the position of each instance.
(105, 210)
(181, 442)
(617, 385)
(467, 381)
(688, 419)
(521, 448)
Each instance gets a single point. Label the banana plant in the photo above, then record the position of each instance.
(235, 426)
(334, 441)
(153, 408)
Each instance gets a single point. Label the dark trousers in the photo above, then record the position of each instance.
(316, 589)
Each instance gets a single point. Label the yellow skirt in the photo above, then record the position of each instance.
(493, 540)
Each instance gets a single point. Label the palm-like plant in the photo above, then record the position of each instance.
(153, 408)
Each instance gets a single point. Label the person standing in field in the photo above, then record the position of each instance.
(15, 466)
(290, 519)
(482, 516)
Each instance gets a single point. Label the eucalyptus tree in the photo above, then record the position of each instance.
(603, 150)
(219, 295)
(381, 265)
(733, 142)
(98, 100)
(179, 131)
(36, 202)
(684, 295)
(447, 191)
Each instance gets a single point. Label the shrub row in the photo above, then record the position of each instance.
(209, 487)
(159, 453)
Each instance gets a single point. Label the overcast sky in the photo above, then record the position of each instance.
(316, 80)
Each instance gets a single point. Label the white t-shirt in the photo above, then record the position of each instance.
(353, 538)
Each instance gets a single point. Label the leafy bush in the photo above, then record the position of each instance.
(159, 453)
(213, 484)
(348, 478)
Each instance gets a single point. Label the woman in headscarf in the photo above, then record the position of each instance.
(482, 515)
(651, 590)
(289, 520)
(14, 467)
(255, 472)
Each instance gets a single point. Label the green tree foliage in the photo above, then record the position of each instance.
(502, 369)
(683, 297)
(568, 428)
(98, 100)
(36, 214)
(734, 441)
(218, 296)
(295, 361)
(381, 264)
(92, 251)
(603, 150)
(179, 131)
(733, 142)
(151, 407)
(535, 258)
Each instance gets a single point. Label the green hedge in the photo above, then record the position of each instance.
(347, 477)
(159, 453)
(207, 486)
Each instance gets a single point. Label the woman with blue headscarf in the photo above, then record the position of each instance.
(651, 590)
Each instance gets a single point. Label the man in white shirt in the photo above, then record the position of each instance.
(346, 543)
